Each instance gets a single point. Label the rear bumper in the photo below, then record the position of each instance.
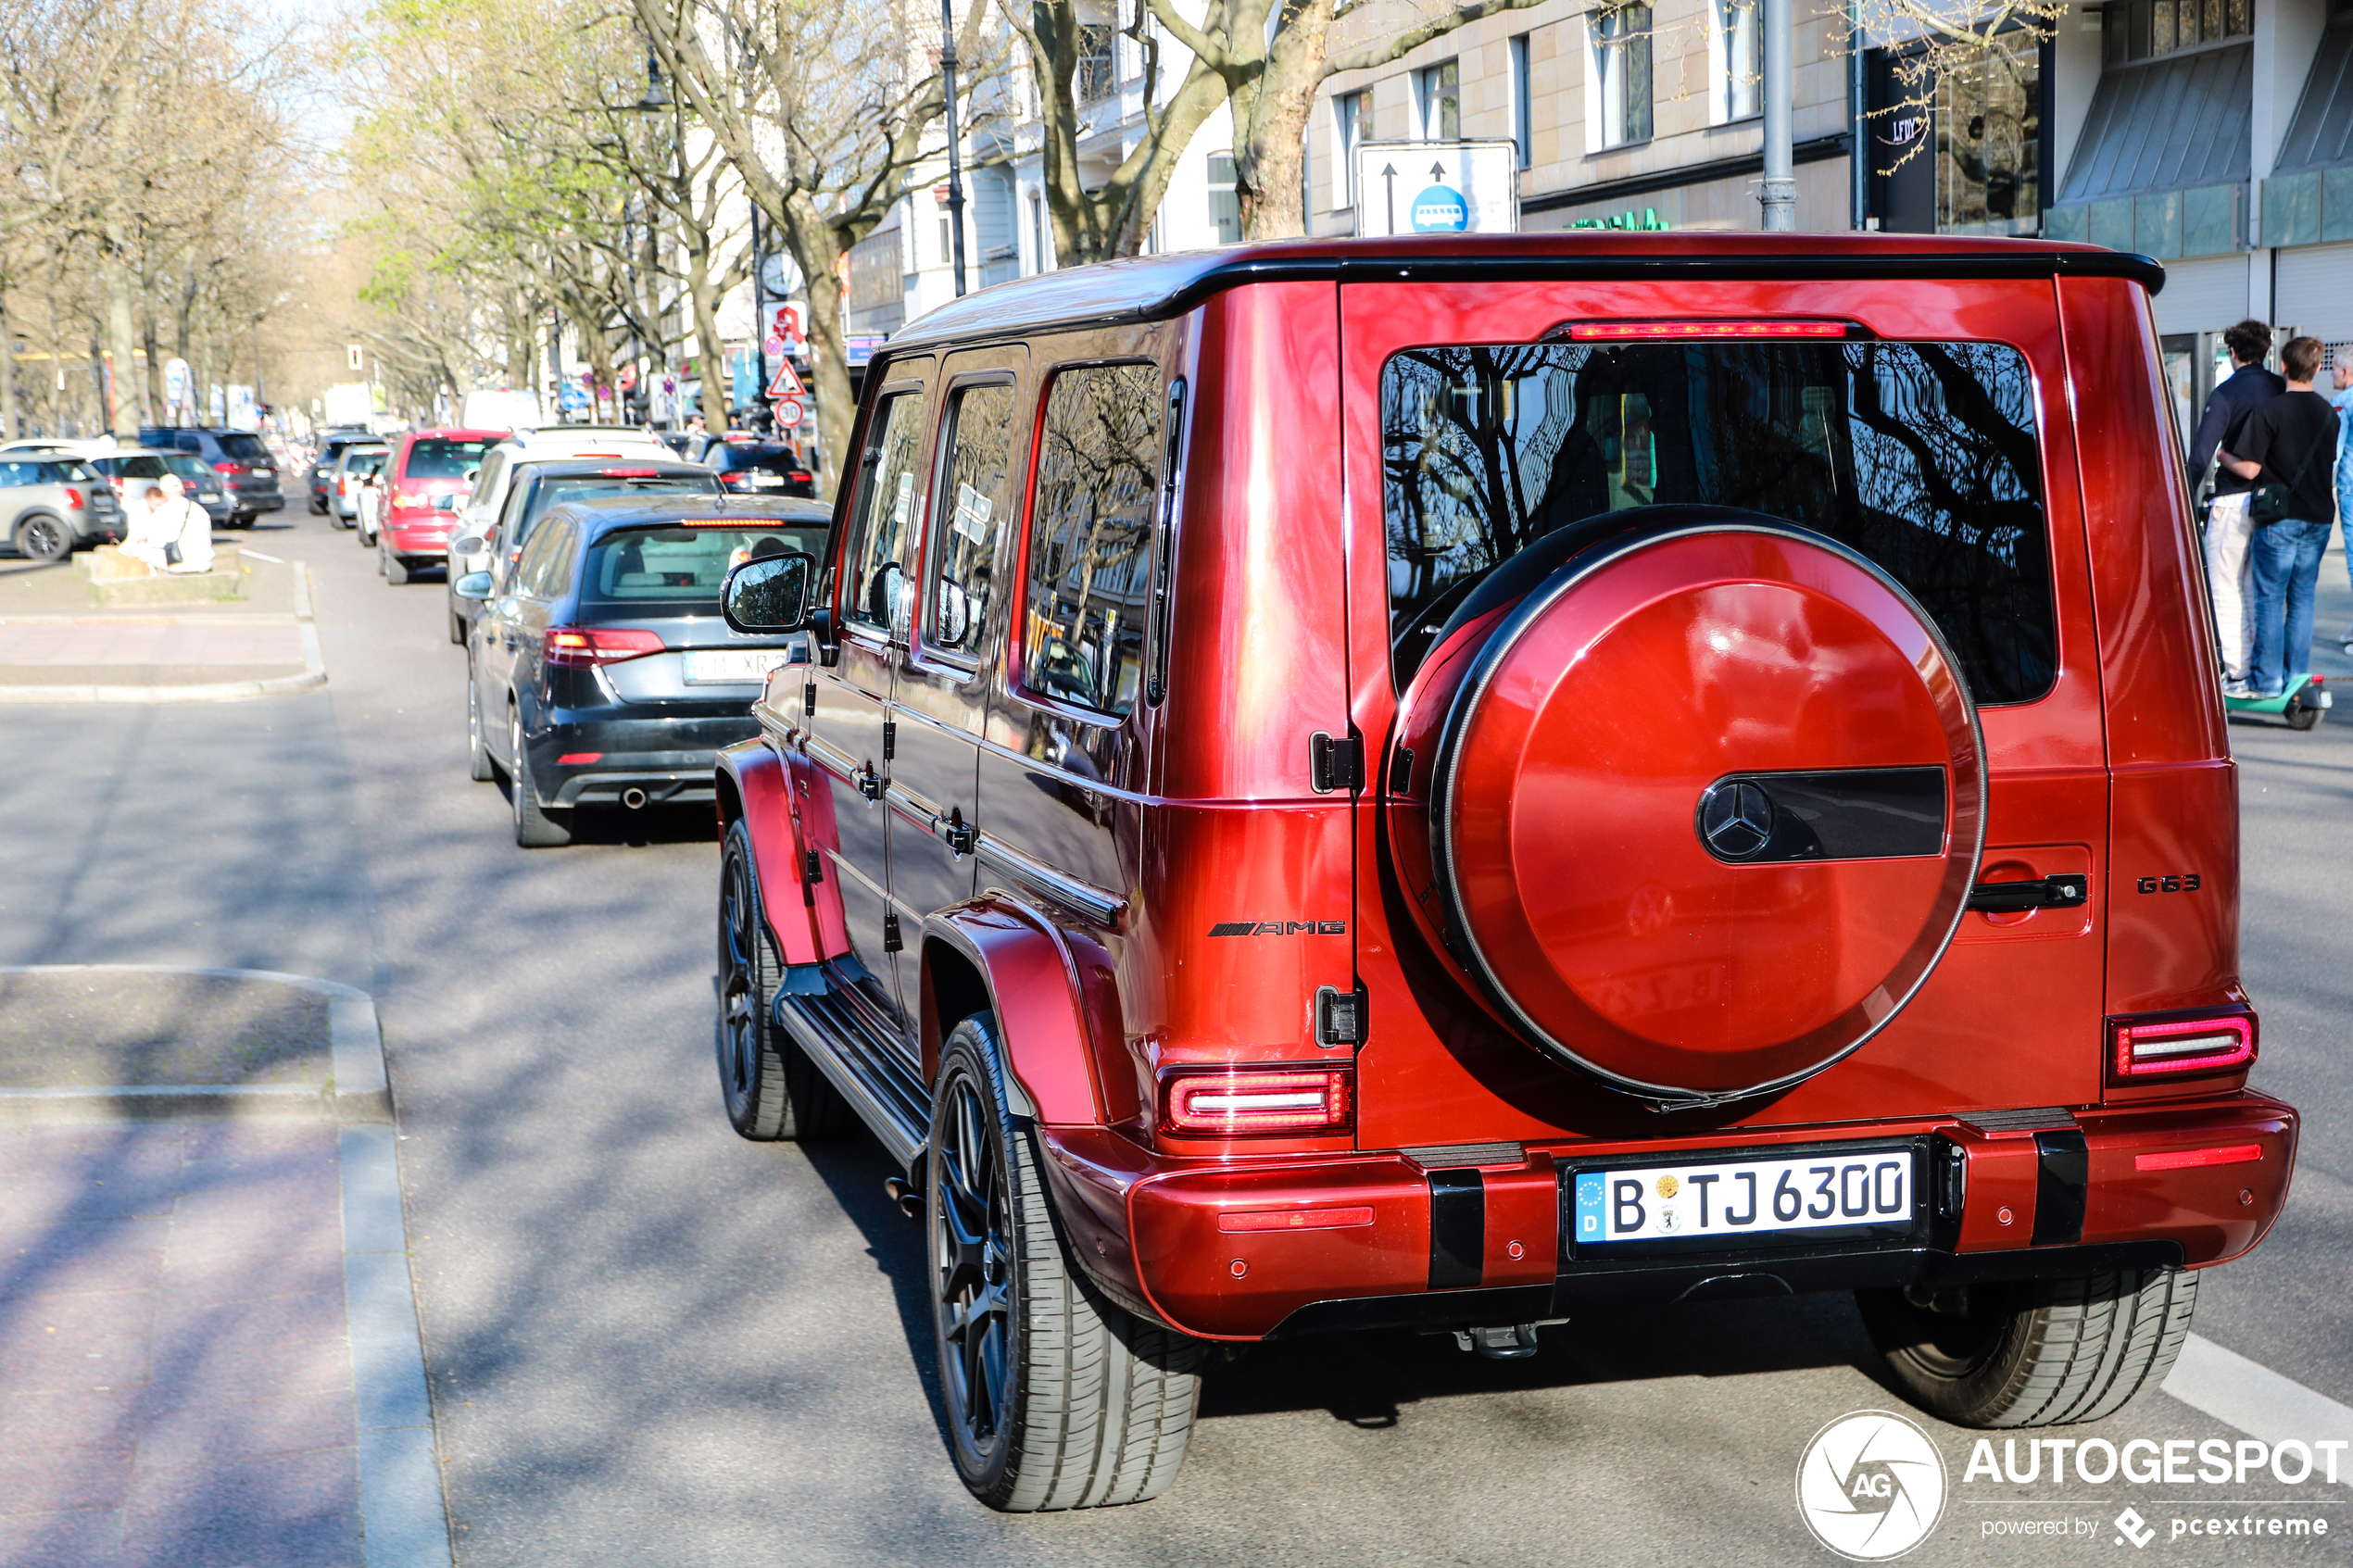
(671, 759)
(1148, 1228)
(411, 537)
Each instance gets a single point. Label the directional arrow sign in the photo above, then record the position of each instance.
(786, 384)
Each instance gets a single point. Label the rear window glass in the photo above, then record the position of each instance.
(677, 569)
(1923, 456)
(240, 447)
(556, 489)
(365, 462)
(439, 458)
(68, 471)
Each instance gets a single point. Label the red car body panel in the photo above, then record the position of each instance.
(1200, 812)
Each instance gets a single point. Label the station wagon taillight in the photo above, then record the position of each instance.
(1224, 1103)
(224, 468)
(2214, 1043)
(1656, 331)
(73, 499)
(582, 646)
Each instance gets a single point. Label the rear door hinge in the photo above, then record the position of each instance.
(815, 865)
(1339, 1016)
(809, 699)
(890, 739)
(891, 942)
(1335, 763)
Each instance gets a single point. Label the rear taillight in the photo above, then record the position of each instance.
(580, 647)
(73, 499)
(2193, 1159)
(734, 481)
(224, 468)
(2153, 1047)
(1223, 1103)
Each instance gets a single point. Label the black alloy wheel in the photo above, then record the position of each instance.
(771, 1090)
(534, 828)
(972, 1263)
(42, 538)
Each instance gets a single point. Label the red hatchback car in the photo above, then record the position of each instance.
(1450, 782)
(425, 482)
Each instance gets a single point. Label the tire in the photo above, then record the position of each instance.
(1056, 1397)
(534, 828)
(2302, 715)
(479, 767)
(457, 628)
(2034, 1353)
(772, 1091)
(318, 506)
(44, 538)
(395, 571)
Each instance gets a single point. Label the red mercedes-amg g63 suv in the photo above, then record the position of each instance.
(1446, 782)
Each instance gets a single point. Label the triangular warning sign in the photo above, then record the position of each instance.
(786, 384)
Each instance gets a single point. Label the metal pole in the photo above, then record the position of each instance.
(1858, 124)
(955, 139)
(1779, 194)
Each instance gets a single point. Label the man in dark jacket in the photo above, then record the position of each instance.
(2290, 442)
(2227, 528)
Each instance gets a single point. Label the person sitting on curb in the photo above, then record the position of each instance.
(175, 534)
(145, 539)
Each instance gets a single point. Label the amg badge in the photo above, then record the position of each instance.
(1280, 928)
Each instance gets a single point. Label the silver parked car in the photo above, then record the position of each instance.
(52, 505)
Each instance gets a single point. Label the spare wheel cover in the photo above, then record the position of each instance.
(1708, 806)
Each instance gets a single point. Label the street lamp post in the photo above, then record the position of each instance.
(1779, 194)
(955, 155)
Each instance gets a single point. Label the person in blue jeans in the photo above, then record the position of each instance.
(2289, 442)
(2342, 401)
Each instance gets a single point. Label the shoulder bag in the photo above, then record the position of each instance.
(2275, 503)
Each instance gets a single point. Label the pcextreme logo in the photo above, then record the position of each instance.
(1870, 1486)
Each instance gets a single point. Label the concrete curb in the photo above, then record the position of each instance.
(359, 1091)
(404, 1517)
(314, 673)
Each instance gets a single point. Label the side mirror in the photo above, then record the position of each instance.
(473, 585)
(470, 546)
(770, 596)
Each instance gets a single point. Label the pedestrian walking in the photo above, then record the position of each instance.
(2285, 451)
(2342, 400)
(2228, 530)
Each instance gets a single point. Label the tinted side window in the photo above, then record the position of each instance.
(1089, 568)
(881, 525)
(533, 572)
(973, 485)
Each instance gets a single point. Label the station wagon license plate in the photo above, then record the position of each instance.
(736, 667)
(1840, 1192)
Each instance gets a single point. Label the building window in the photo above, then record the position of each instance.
(1098, 71)
(1523, 133)
(1440, 90)
(1989, 132)
(1224, 205)
(2140, 29)
(1622, 67)
(1351, 119)
(1741, 90)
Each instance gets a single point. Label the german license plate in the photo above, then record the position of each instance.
(767, 482)
(1835, 1193)
(720, 667)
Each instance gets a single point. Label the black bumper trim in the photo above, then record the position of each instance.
(1592, 1291)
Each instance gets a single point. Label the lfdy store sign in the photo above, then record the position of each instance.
(1437, 188)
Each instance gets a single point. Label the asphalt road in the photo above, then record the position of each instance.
(652, 1343)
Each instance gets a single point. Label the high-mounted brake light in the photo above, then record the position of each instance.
(629, 473)
(1639, 331)
(721, 521)
(580, 646)
(1225, 1104)
(2187, 1159)
(2216, 1043)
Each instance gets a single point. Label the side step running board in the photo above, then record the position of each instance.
(869, 1072)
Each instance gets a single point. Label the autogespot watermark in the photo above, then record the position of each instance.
(1872, 1486)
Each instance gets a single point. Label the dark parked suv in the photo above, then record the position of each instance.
(602, 675)
(240, 457)
(1460, 781)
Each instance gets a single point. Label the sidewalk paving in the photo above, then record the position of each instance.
(56, 645)
(175, 1348)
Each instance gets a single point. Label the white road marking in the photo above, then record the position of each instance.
(256, 555)
(2253, 1398)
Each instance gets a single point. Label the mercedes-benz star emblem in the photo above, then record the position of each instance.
(1736, 819)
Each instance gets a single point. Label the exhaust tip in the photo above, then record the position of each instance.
(906, 1195)
(634, 798)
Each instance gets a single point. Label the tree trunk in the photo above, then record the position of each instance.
(1270, 126)
(123, 342)
(815, 247)
(8, 373)
(711, 350)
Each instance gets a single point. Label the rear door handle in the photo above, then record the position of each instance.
(2046, 893)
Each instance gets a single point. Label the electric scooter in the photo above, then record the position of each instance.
(2305, 699)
